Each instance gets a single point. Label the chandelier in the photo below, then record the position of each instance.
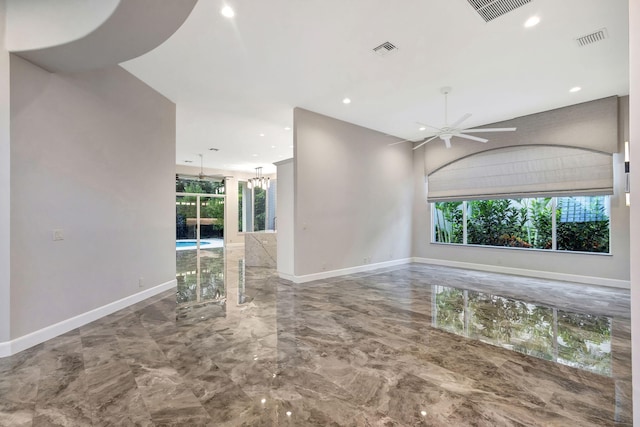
(259, 181)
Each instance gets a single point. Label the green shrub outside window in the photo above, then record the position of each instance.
(448, 217)
(581, 225)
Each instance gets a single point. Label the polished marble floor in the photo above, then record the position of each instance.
(405, 346)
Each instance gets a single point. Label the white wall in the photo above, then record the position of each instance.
(610, 270)
(634, 137)
(92, 153)
(285, 218)
(353, 195)
(5, 226)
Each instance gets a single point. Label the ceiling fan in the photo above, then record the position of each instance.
(446, 132)
(202, 176)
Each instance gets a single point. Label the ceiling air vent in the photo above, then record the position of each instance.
(593, 37)
(385, 48)
(491, 9)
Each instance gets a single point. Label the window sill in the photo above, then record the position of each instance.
(552, 251)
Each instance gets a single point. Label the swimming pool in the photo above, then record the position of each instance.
(182, 245)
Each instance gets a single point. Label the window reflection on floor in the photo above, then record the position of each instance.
(200, 275)
(579, 340)
(208, 283)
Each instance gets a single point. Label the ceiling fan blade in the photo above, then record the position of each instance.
(424, 142)
(471, 137)
(460, 120)
(489, 130)
(429, 126)
(400, 142)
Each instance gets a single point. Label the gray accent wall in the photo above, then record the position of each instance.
(614, 266)
(590, 125)
(353, 195)
(5, 181)
(92, 154)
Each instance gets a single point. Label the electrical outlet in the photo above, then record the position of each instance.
(141, 282)
(58, 234)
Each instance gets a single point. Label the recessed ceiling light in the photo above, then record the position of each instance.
(254, 155)
(262, 134)
(346, 101)
(423, 128)
(287, 128)
(273, 146)
(575, 89)
(227, 12)
(532, 22)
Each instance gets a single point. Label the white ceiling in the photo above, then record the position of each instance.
(234, 79)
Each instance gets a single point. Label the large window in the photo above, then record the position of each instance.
(195, 185)
(199, 209)
(577, 224)
(256, 207)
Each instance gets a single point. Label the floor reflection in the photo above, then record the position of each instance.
(367, 349)
(207, 280)
(200, 275)
(579, 340)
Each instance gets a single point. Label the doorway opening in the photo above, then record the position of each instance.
(199, 250)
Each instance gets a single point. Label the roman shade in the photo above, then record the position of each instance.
(523, 171)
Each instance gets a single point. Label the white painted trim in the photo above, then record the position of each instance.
(5, 349)
(24, 342)
(591, 280)
(285, 276)
(345, 271)
(283, 162)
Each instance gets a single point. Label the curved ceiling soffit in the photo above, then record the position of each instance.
(134, 28)
(39, 24)
(508, 147)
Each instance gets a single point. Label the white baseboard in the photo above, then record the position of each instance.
(5, 349)
(286, 276)
(591, 280)
(344, 271)
(24, 342)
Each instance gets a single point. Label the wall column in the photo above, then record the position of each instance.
(634, 143)
(5, 206)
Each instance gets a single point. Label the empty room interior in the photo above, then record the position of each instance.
(319, 213)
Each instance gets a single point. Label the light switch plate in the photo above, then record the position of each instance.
(58, 234)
